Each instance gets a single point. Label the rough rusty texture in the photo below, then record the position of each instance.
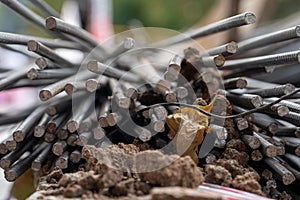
(141, 145)
(233, 133)
(54, 176)
(180, 171)
(143, 171)
(114, 157)
(236, 144)
(123, 188)
(217, 175)
(72, 191)
(222, 106)
(235, 168)
(129, 148)
(247, 183)
(241, 157)
(179, 193)
(284, 196)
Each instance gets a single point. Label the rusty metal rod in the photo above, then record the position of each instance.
(13, 38)
(34, 74)
(269, 39)
(52, 90)
(27, 125)
(102, 69)
(37, 163)
(292, 57)
(222, 25)
(55, 24)
(41, 49)
(19, 168)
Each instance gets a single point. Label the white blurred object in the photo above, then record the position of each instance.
(100, 19)
(12, 60)
(70, 13)
(5, 186)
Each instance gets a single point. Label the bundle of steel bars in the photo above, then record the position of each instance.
(105, 99)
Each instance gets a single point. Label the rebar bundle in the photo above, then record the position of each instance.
(104, 99)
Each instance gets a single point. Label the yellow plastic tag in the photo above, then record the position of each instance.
(189, 126)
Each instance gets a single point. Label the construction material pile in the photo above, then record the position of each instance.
(204, 105)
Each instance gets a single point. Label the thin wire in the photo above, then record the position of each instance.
(220, 116)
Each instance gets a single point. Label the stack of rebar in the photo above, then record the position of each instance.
(93, 102)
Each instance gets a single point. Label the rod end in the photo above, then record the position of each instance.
(32, 45)
(250, 18)
(45, 95)
(51, 23)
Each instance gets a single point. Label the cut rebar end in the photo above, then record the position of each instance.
(18, 135)
(36, 166)
(250, 18)
(51, 23)
(32, 45)
(271, 151)
(129, 43)
(219, 60)
(92, 85)
(32, 74)
(232, 47)
(39, 131)
(257, 101)
(45, 95)
(4, 163)
(93, 67)
(288, 178)
(10, 175)
(41, 63)
(72, 126)
(241, 83)
(297, 31)
(69, 88)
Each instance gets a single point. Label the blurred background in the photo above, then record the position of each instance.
(173, 14)
(105, 17)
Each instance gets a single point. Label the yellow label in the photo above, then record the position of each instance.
(189, 126)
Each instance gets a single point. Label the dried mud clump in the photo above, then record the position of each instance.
(236, 144)
(122, 170)
(247, 183)
(231, 173)
(217, 175)
(54, 176)
(173, 170)
(118, 157)
(234, 167)
(240, 156)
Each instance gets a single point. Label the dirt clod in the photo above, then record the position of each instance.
(217, 175)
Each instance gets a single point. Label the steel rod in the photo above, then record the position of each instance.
(27, 125)
(55, 24)
(34, 74)
(286, 58)
(102, 69)
(269, 39)
(13, 38)
(41, 49)
(51, 90)
(19, 168)
(37, 163)
(222, 25)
